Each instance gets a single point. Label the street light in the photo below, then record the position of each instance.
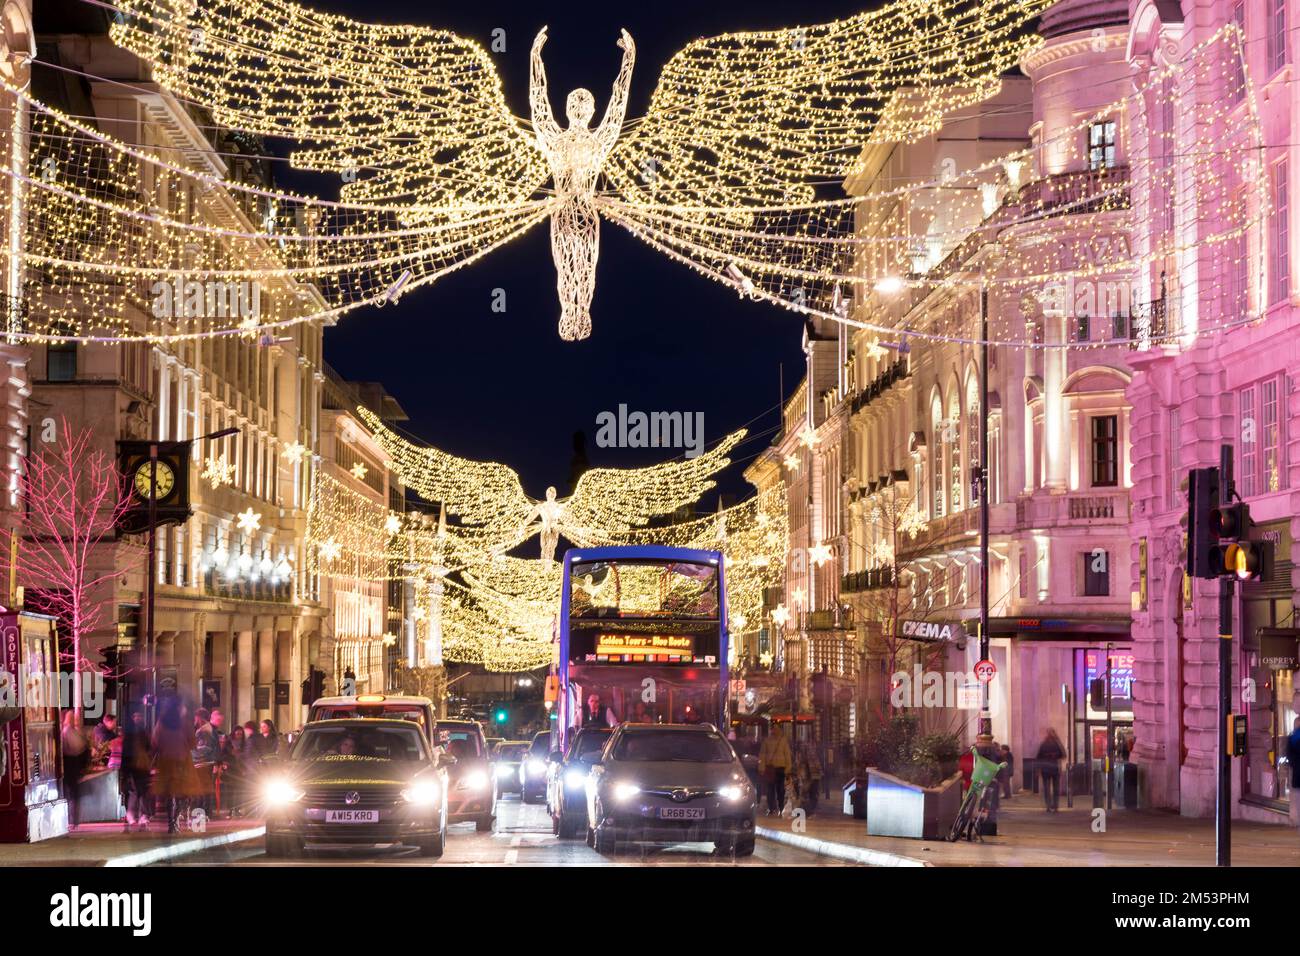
(153, 553)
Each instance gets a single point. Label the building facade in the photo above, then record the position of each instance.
(1195, 393)
(238, 621)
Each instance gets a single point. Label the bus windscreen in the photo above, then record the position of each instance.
(631, 589)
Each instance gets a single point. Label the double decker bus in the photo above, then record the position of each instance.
(644, 628)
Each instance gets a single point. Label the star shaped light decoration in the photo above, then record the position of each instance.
(792, 462)
(295, 451)
(249, 521)
(819, 554)
(330, 550)
(218, 471)
(780, 615)
(809, 437)
(798, 595)
(392, 524)
(765, 658)
(359, 471)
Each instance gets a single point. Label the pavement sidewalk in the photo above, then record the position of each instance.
(1029, 836)
(105, 844)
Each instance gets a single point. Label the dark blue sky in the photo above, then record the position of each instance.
(504, 386)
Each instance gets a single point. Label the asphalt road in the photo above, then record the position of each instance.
(522, 838)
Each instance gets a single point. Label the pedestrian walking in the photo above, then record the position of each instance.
(1009, 772)
(206, 758)
(173, 743)
(1293, 759)
(810, 778)
(1048, 760)
(270, 739)
(774, 762)
(76, 759)
(240, 768)
(133, 779)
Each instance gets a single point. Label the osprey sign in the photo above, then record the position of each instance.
(928, 631)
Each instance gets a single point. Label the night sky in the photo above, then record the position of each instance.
(504, 386)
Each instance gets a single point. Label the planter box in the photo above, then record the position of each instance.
(897, 808)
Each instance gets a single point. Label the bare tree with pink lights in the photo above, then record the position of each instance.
(73, 498)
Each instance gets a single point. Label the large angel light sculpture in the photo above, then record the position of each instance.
(489, 498)
(741, 131)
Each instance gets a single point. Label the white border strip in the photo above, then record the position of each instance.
(839, 851)
(173, 850)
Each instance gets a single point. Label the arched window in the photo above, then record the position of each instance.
(952, 432)
(938, 495)
(972, 429)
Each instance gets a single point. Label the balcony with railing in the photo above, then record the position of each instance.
(1094, 507)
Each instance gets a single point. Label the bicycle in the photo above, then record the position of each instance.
(977, 803)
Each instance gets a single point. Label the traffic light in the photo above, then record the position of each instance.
(313, 686)
(1202, 541)
(1097, 693)
(501, 715)
(1248, 559)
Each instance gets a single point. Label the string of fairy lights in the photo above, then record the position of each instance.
(723, 173)
(474, 602)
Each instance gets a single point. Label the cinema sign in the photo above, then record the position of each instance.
(936, 631)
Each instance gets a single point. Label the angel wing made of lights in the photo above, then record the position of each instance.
(415, 119)
(605, 501)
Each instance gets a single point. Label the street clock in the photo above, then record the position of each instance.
(147, 486)
(167, 483)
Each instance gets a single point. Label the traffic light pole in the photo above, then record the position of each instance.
(1223, 805)
(986, 713)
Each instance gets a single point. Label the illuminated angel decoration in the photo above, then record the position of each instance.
(415, 122)
(489, 497)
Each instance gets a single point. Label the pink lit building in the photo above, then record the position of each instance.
(1193, 393)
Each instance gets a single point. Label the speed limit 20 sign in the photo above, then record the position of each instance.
(985, 671)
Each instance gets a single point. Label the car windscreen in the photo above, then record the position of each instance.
(588, 745)
(668, 745)
(541, 745)
(460, 742)
(403, 744)
(511, 751)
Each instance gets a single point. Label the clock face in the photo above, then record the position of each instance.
(166, 480)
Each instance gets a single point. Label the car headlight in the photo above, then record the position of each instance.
(277, 793)
(424, 793)
(475, 780)
(536, 765)
(625, 791)
(731, 792)
(574, 778)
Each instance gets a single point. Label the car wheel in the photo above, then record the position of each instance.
(566, 830)
(279, 847)
(557, 827)
(605, 844)
(745, 848)
(434, 845)
(484, 823)
(591, 838)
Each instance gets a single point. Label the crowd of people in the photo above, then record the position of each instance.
(189, 761)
